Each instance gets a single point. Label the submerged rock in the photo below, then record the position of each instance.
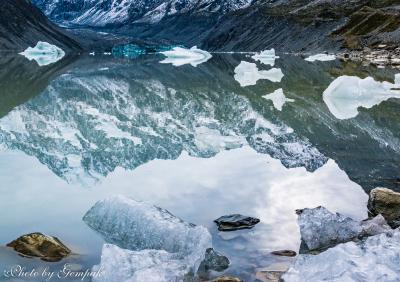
(213, 261)
(158, 243)
(375, 259)
(284, 253)
(387, 203)
(321, 229)
(271, 273)
(235, 222)
(45, 247)
(226, 278)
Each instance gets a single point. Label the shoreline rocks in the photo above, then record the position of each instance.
(47, 248)
(387, 203)
(235, 222)
(381, 56)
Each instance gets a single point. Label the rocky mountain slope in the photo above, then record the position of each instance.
(23, 25)
(240, 25)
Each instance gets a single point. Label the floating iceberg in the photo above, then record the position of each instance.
(179, 56)
(278, 99)
(44, 53)
(319, 228)
(375, 259)
(248, 74)
(266, 57)
(156, 241)
(347, 93)
(321, 58)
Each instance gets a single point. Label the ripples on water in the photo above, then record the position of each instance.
(190, 140)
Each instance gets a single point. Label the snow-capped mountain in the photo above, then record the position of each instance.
(98, 13)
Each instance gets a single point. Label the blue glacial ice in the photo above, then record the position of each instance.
(179, 56)
(278, 99)
(44, 53)
(247, 74)
(147, 242)
(320, 228)
(321, 58)
(348, 93)
(266, 57)
(376, 258)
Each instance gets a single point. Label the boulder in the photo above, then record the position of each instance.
(387, 203)
(213, 261)
(235, 222)
(45, 247)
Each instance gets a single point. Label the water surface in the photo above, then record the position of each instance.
(190, 140)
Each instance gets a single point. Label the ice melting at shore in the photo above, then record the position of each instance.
(179, 56)
(266, 57)
(321, 58)
(375, 259)
(319, 228)
(248, 74)
(347, 93)
(44, 53)
(278, 99)
(156, 244)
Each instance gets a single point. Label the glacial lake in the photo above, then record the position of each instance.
(192, 140)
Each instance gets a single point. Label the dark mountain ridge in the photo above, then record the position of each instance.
(23, 25)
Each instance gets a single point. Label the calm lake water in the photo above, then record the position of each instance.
(189, 139)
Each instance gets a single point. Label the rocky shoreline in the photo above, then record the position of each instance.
(333, 245)
(381, 56)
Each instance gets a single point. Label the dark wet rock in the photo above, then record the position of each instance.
(387, 203)
(284, 253)
(226, 278)
(45, 247)
(213, 261)
(235, 222)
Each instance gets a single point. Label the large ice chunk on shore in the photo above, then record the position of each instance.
(278, 98)
(321, 58)
(179, 56)
(44, 53)
(347, 93)
(137, 266)
(375, 259)
(266, 57)
(140, 227)
(319, 228)
(248, 74)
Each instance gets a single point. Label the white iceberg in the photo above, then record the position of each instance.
(151, 235)
(44, 53)
(248, 74)
(319, 228)
(266, 57)
(321, 58)
(278, 98)
(347, 93)
(375, 259)
(180, 56)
